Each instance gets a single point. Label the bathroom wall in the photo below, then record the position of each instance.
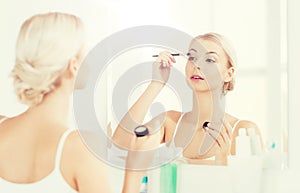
(279, 181)
(288, 182)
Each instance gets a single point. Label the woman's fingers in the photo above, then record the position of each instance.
(161, 67)
(214, 138)
(228, 128)
(170, 57)
(166, 57)
(222, 137)
(212, 133)
(167, 60)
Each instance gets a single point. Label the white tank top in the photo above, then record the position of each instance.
(172, 144)
(52, 183)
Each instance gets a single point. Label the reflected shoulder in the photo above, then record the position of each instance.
(247, 124)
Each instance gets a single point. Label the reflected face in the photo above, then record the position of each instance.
(207, 66)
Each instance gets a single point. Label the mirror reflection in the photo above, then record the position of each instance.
(259, 73)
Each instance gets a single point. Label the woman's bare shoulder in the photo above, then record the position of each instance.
(81, 165)
(77, 147)
(76, 142)
(2, 118)
(243, 123)
(247, 124)
(239, 123)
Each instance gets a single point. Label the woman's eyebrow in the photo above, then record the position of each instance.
(212, 53)
(192, 49)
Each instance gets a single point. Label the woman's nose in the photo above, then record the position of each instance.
(196, 67)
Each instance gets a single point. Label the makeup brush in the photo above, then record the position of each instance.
(177, 54)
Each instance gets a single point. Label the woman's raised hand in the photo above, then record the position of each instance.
(161, 67)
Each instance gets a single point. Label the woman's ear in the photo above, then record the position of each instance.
(229, 74)
(72, 69)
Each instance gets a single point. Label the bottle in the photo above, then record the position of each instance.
(144, 186)
(255, 142)
(245, 168)
(243, 146)
(168, 178)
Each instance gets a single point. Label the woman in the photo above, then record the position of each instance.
(210, 74)
(39, 153)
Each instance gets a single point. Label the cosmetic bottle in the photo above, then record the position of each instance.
(168, 178)
(243, 146)
(144, 186)
(255, 143)
(245, 167)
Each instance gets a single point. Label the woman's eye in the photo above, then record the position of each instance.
(192, 59)
(209, 60)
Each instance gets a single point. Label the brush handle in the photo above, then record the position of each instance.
(171, 54)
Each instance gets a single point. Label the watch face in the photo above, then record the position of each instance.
(141, 131)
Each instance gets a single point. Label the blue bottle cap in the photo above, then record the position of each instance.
(145, 179)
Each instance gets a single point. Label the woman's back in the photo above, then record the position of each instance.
(38, 152)
(33, 157)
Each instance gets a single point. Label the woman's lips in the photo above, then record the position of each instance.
(196, 78)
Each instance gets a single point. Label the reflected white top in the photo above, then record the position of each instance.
(163, 154)
(52, 183)
(177, 149)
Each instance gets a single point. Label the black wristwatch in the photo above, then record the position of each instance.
(141, 131)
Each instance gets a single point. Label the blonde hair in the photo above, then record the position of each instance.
(45, 44)
(229, 51)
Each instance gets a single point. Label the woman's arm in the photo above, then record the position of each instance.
(124, 136)
(144, 156)
(136, 114)
(143, 149)
(138, 161)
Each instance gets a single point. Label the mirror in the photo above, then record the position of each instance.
(259, 39)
